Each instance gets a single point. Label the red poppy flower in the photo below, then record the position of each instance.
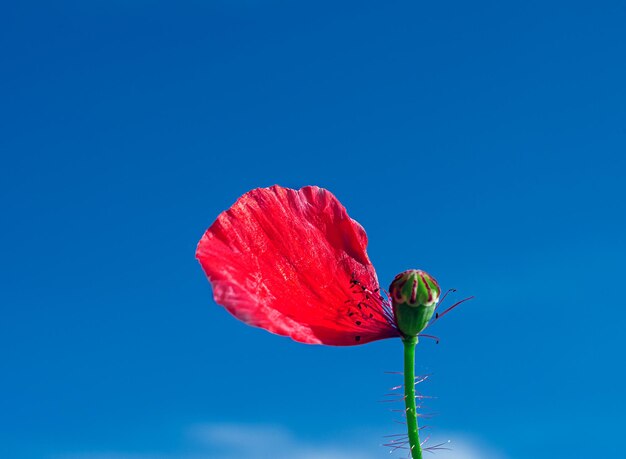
(294, 263)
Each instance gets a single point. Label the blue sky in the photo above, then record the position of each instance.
(483, 142)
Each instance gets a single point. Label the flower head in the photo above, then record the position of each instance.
(414, 295)
(294, 263)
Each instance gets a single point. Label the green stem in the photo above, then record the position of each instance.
(409, 396)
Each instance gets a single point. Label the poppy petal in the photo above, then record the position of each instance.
(294, 263)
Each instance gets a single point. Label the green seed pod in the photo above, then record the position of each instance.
(414, 295)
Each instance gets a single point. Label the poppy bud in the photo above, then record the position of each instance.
(414, 295)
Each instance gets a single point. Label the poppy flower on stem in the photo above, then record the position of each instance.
(294, 263)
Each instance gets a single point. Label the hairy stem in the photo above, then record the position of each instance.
(409, 396)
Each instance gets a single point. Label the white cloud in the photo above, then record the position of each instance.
(461, 447)
(239, 435)
(246, 441)
(236, 441)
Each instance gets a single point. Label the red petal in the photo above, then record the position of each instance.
(294, 263)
